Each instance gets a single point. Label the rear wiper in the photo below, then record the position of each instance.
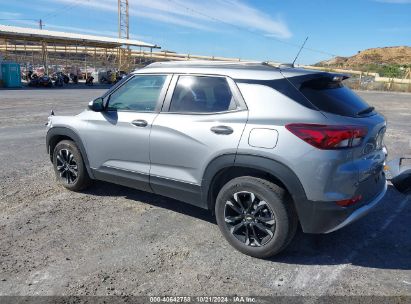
(366, 111)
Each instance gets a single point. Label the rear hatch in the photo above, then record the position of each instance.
(327, 94)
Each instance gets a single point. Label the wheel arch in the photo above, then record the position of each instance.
(226, 167)
(57, 134)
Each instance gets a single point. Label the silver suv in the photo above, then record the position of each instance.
(264, 148)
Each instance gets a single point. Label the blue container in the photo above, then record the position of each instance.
(11, 75)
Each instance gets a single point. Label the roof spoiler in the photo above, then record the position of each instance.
(339, 77)
(286, 66)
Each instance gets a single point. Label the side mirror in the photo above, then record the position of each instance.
(96, 105)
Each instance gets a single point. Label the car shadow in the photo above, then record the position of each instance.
(380, 240)
(107, 189)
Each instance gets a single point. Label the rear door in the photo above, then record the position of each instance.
(203, 117)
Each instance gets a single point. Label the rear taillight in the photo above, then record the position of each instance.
(349, 202)
(329, 137)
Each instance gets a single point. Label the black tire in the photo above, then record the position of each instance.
(69, 166)
(271, 200)
(403, 182)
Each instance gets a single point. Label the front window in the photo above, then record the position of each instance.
(141, 93)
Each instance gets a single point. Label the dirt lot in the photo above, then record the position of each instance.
(114, 240)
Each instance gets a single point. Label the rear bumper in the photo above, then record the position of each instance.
(326, 217)
(360, 212)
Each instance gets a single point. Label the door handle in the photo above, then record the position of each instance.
(139, 123)
(222, 130)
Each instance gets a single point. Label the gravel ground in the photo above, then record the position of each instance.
(113, 240)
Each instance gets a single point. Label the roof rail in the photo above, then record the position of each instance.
(203, 63)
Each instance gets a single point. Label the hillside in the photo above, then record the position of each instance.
(387, 61)
(398, 55)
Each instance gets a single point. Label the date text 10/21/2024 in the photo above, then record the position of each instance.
(202, 299)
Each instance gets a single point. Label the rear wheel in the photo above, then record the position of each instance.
(69, 166)
(255, 216)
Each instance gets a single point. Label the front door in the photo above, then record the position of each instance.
(117, 139)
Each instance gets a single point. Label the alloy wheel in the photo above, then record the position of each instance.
(67, 166)
(249, 219)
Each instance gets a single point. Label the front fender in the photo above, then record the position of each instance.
(56, 133)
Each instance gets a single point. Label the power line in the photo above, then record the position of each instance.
(25, 19)
(49, 15)
(250, 31)
(17, 19)
(63, 9)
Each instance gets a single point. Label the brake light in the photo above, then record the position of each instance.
(329, 137)
(349, 202)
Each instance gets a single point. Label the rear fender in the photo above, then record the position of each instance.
(278, 170)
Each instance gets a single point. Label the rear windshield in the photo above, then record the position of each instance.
(333, 97)
(319, 92)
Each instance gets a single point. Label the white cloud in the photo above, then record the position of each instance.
(9, 15)
(201, 15)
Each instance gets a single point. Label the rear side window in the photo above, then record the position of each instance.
(333, 97)
(202, 94)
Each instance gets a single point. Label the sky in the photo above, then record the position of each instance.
(248, 29)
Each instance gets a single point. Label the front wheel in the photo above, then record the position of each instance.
(69, 166)
(255, 216)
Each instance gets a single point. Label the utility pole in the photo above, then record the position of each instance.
(123, 33)
(44, 54)
(123, 16)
